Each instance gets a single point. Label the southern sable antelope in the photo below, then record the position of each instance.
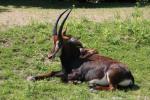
(81, 64)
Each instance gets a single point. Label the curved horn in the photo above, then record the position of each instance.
(55, 25)
(61, 26)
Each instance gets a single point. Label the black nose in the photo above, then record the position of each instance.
(50, 56)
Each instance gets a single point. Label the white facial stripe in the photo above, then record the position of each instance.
(56, 46)
(58, 53)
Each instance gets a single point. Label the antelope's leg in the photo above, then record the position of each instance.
(44, 76)
(106, 83)
(64, 78)
(110, 87)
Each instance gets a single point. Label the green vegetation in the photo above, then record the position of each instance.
(23, 52)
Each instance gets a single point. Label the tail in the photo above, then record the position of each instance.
(132, 78)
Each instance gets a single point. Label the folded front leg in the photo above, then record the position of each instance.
(44, 76)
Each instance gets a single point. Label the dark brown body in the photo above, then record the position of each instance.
(81, 64)
(103, 71)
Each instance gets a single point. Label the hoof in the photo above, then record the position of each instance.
(91, 85)
(76, 82)
(30, 78)
(93, 90)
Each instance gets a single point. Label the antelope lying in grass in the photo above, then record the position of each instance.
(81, 64)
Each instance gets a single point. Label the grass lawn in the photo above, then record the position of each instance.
(24, 49)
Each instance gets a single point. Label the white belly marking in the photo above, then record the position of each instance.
(125, 82)
(102, 81)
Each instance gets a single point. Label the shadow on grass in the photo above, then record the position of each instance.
(55, 4)
(132, 88)
(4, 10)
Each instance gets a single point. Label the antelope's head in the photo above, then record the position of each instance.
(60, 39)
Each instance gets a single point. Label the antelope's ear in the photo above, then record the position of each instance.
(78, 38)
(64, 32)
(64, 36)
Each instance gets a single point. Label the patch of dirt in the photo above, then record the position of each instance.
(5, 43)
(15, 18)
(19, 17)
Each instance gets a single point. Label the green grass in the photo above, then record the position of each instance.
(23, 52)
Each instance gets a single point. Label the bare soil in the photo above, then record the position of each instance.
(10, 16)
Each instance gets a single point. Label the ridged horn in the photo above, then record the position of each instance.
(61, 26)
(56, 23)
